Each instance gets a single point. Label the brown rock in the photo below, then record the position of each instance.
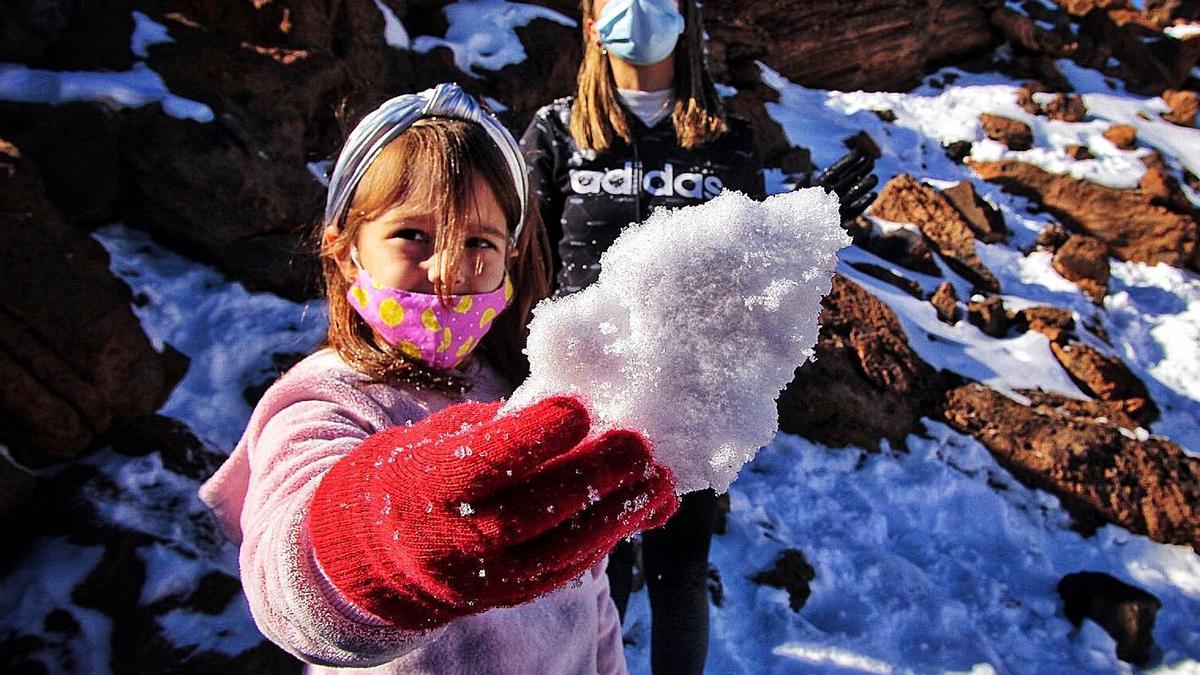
(875, 44)
(1065, 107)
(907, 200)
(1014, 134)
(1125, 612)
(1183, 104)
(793, 574)
(1094, 411)
(984, 219)
(1106, 378)
(1025, 96)
(1052, 237)
(905, 248)
(866, 383)
(945, 301)
(1126, 220)
(1079, 152)
(1084, 260)
(73, 358)
(1022, 30)
(1124, 136)
(1099, 475)
(988, 315)
(958, 151)
(1055, 323)
(887, 276)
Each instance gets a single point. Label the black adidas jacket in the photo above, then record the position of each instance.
(588, 198)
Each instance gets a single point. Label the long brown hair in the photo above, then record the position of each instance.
(453, 156)
(597, 118)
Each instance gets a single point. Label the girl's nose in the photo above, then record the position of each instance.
(434, 269)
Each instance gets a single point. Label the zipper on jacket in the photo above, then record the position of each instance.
(637, 183)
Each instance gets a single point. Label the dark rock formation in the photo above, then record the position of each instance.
(1099, 474)
(1014, 134)
(985, 221)
(1106, 378)
(877, 44)
(945, 301)
(907, 200)
(1124, 136)
(1084, 260)
(866, 383)
(74, 361)
(1144, 232)
(793, 574)
(988, 315)
(1125, 612)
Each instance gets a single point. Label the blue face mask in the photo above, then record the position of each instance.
(642, 32)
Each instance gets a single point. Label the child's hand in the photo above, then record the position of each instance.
(463, 511)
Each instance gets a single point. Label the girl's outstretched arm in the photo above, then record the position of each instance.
(292, 601)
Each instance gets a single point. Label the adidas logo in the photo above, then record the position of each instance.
(658, 183)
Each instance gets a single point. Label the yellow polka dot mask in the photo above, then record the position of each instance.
(419, 325)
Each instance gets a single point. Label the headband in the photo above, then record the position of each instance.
(394, 116)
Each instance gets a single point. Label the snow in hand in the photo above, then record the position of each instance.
(698, 320)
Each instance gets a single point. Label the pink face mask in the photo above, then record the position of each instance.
(421, 327)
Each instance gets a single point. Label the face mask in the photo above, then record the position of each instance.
(642, 32)
(420, 326)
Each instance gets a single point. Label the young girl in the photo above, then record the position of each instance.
(387, 515)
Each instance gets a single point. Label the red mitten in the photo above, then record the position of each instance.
(464, 511)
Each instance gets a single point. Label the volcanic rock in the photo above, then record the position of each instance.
(1099, 474)
(1084, 260)
(1055, 323)
(945, 301)
(1106, 378)
(1125, 612)
(1127, 221)
(793, 574)
(988, 315)
(866, 383)
(1124, 136)
(74, 361)
(1014, 134)
(876, 44)
(1065, 107)
(984, 219)
(906, 200)
(905, 248)
(1079, 152)
(1183, 104)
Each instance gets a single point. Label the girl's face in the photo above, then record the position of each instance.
(397, 247)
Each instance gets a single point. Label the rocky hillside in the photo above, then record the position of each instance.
(1026, 287)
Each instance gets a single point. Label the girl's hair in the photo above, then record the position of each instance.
(449, 158)
(597, 117)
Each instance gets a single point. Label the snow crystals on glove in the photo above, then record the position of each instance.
(697, 322)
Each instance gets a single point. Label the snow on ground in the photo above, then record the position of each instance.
(133, 88)
(929, 560)
(482, 33)
(394, 33)
(228, 332)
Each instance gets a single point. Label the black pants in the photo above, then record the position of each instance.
(675, 561)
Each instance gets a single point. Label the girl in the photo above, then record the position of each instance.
(386, 515)
(645, 130)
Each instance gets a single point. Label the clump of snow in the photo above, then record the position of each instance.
(699, 318)
(146, 32)
(394, 33)
(482, 33)
(1183, 31)
(133, 88)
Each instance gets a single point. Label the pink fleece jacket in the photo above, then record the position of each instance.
(310, 418)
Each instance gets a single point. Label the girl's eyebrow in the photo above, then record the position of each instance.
(488, 229)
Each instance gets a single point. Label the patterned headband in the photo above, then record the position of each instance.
(395, 115)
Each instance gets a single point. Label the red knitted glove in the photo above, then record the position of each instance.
(464, 511)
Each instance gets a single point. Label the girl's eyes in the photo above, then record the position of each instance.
(411, 233)
(479, 242)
